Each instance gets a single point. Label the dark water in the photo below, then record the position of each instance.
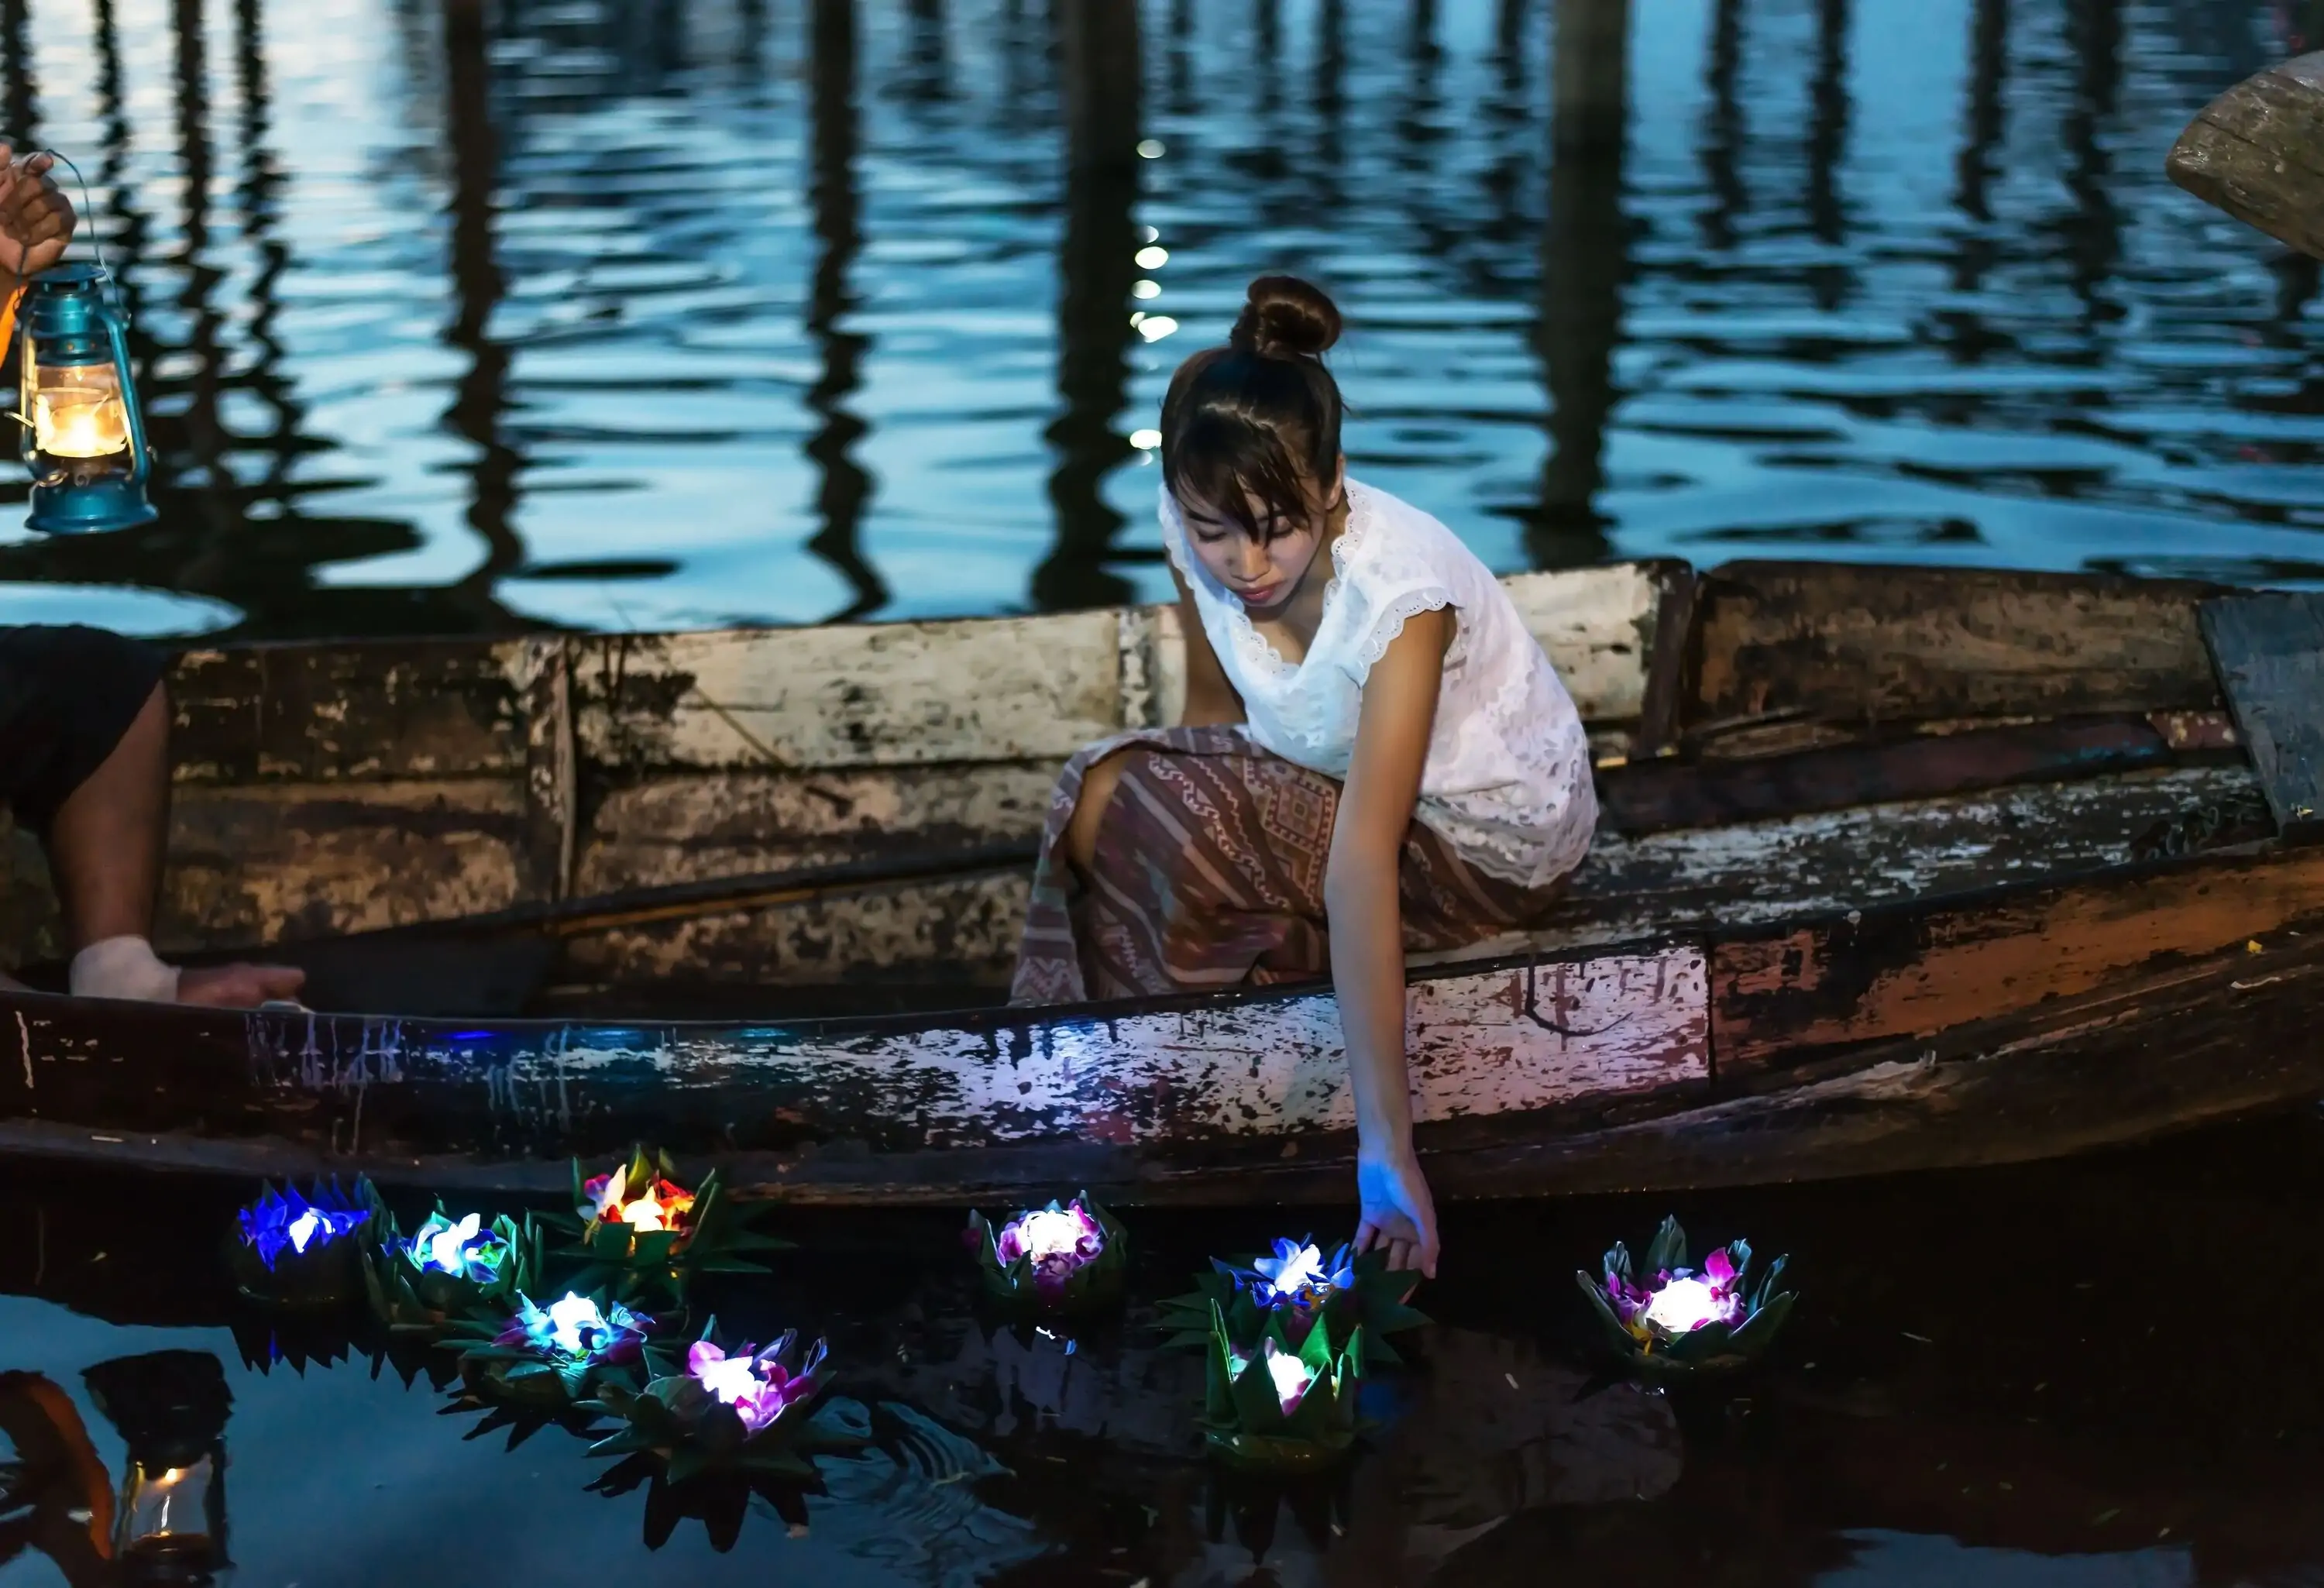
(630, 313)
(2096, 1373)
(636, 313)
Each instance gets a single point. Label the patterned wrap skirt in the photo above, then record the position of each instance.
(1209, 874)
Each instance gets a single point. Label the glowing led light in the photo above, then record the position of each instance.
(1151, 258)
(1684, 1305)
(1291, 1377)
(1150, 149)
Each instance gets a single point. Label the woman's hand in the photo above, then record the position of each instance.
(1398, 1214)
(36, 220)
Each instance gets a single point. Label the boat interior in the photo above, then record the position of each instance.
(841, 820)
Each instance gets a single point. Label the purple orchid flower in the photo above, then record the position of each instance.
(755, 1383)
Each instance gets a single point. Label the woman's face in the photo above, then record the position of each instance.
(1263, 572)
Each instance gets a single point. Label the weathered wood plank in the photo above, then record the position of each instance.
(687, 828)
(1599, 625)
(1263, 1066)
(2269, 648)
(259, 864)
(368, 710)
(1034, 688)
(1758, 872)
(1656, 796)
(1786, 997)
(2190, 1043)
(2257, 152)
(1835, 643)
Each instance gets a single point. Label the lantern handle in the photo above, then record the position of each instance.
(88, 212)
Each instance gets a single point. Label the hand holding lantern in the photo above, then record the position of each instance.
(36, 218)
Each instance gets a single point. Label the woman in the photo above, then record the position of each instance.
(1376, 756)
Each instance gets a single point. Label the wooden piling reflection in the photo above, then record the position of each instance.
(1584, 263)
(19, 100)
(1096, 269)
(844, 488)
(480, 400)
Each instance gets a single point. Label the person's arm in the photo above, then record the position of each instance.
(1210, 698)
(1367, 934)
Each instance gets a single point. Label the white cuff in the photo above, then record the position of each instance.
(124, 967)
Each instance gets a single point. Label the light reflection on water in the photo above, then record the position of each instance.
(2039, 1377)
(623, 313)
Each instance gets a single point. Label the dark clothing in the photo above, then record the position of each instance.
(66, 695)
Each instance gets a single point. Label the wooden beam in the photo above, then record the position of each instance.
(1824, 643)
(2257, 152)
(1799, 994)
(2269, 648)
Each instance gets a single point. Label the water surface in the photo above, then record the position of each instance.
(634, 314)
(2075, 1374)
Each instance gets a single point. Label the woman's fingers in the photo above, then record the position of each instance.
(1367, 1237)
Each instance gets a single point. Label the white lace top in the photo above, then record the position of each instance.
(1508, 777)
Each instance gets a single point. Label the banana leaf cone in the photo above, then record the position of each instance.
(639, 1229)
(1664, 1320)
(1065, 1259)
(1278, 1407)
(293, 1248)
(448, 1268)
(752, 1412)
(1301, 1284)
(555, 1358)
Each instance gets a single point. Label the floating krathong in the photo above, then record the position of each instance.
(1271, 1406)
(1667, 1320)
(748, 1410)
(447, 1268)
(292, 1247)
(1299, 1285)
(640, 1226)
(1055, 1258)
(558, 1354)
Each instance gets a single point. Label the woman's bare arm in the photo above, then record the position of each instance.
(1210, 698)
(1367, 931)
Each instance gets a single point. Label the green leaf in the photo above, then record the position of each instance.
(687, 1463)
(1669, 1249)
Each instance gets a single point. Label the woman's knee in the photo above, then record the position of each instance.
(1098, 784)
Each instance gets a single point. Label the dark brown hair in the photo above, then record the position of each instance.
(1260, 415)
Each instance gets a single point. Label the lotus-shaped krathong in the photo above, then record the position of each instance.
(552, 1357)
(640, 1228)
(1667, 1320)
(1054, 1258)
(1300, 1284)
(448, 1269)
(748, 1409)
(293, 1247)
(1269, 1406)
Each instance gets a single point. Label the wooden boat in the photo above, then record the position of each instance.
(1898, 868)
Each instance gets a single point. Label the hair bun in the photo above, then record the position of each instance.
(1284, 317)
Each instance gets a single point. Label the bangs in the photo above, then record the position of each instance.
(1221, 461)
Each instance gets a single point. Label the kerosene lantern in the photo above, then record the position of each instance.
(170, 1409)
(83, 438)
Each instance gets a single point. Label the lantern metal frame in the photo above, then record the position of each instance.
(70, 317)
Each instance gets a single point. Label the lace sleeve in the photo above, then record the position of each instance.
(1385, 620)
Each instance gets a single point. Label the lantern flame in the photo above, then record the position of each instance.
(80, 423)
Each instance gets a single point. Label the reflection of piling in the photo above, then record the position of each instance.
(262, 185)
(17, 97)
(1097, 267)
(1828, 122)
(1722, 127)
(845, 487)
(1584, 264)
(2094, 232)
(480, 400)
(205, 435)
